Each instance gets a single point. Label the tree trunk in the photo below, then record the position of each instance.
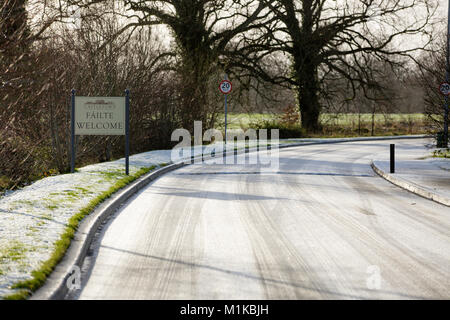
(308, 98)
(195, 69)
(195, 74)
(193, 104)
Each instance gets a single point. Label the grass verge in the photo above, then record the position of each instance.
(443, 153)
(39, 276)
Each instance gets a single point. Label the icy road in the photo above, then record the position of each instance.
(325, 226)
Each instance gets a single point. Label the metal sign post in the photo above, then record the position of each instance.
(72, 133)
(225, 87)
(127, 131)
(225, 119)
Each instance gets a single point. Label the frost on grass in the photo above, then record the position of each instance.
(33, 219)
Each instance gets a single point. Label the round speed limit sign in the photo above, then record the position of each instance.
(225, 86)
(444, 88)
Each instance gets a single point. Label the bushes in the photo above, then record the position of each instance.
(443, 153)
(288, 124)
(35, 101)
(286, 130)
(21, 161)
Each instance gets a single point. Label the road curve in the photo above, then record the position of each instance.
(323, 227)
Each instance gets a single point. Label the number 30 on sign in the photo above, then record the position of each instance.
(225, 86)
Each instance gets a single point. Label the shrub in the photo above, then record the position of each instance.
(286, 130)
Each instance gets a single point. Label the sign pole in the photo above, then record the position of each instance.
(225, 116)
(72, 133)
(225, 88)
(447, 78)
(226, 78)
(127, 131)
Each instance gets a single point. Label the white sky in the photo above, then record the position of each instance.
(443, 8)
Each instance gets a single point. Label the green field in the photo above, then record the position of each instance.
(244, 120)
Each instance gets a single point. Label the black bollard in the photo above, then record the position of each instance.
(392, 158)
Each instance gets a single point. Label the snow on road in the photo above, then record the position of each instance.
(32, 219)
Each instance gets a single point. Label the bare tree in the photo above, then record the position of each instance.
(326, 39)
(201, 29)
(430, 73)
(21, 134)
(35, 84)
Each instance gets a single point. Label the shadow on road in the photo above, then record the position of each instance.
(265, 280)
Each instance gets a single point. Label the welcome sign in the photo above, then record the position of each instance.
(99, 115)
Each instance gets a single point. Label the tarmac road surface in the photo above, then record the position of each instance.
(324, 226)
